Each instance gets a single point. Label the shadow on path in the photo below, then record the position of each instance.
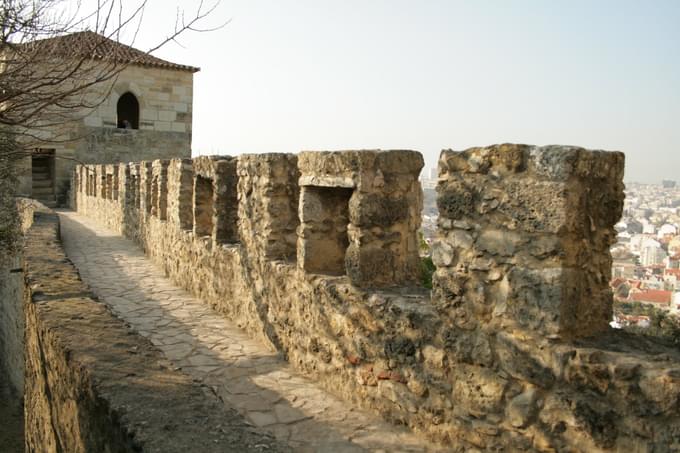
(11, 420)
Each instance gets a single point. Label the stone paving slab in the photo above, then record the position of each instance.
(245, 374)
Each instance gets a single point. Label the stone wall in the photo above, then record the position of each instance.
(93, 385)
(11, 305)
(11, 323)
(511, 350)
(533, 227)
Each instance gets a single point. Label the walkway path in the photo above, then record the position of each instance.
(243, 373)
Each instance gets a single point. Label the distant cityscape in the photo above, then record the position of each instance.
(428, 180)
(646, 255)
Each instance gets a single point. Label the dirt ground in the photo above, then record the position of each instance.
(11, 421)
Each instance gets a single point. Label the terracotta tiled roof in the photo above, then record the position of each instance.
(675, 272)
(98, 47)
(617, 282)
(652, 296)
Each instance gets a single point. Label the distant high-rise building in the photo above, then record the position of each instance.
(668, 184)
(433, 173)
(650, 255)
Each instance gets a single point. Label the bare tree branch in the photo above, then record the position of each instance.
(48, 80)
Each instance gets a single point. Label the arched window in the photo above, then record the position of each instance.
(128, 111)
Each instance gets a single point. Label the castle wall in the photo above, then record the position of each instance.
(11, 323)
(510, 350)
(11, 308)
(115, 394)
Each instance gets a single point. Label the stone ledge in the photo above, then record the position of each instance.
(92, 384)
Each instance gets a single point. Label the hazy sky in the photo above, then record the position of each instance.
(285, 76)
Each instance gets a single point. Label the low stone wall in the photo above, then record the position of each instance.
(93, 385)
(510, 351)
(12, 323)
(11, 305)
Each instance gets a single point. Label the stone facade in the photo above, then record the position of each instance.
(510, 351)
(164, 97)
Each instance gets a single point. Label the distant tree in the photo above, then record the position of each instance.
(661, 324)
(9, 221)
(427, 269)
(423, 246)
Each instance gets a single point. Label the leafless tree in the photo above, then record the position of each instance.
(48, 79)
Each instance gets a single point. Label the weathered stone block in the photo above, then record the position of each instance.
(268, 203)
(181, 193)
(539, 220)
(383, 201)
(378, 210)
(478, 389)
(159, 189)
(497, 159)
(369, 265)
(324, 212)
(522, 409)
(215, 198)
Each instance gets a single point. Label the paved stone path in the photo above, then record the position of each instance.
(244, 373)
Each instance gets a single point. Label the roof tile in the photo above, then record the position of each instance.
(652, 296)
(89, 44)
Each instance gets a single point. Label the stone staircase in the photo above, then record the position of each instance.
(43, 184)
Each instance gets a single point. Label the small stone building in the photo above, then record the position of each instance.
(145, 116)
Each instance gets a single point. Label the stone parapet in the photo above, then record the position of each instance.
(524, 237)
(181, 193)
(360, 215)
(159, 189)
(268, 197)
(510, 351)
(214, 200)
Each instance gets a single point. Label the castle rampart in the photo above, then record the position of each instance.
(317, 255)
(89, 382)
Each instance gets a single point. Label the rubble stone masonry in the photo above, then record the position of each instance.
(317, 255)
(115, 394)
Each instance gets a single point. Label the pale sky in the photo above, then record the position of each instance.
(291, 75)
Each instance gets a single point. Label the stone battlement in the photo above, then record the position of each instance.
(317, 255)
